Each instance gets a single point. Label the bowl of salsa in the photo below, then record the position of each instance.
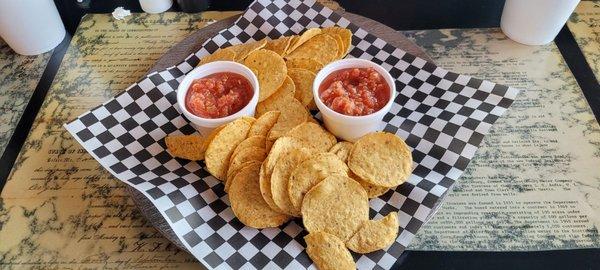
(216, 93)
(353, 96)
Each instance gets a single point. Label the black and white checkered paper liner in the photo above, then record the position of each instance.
(442, 115)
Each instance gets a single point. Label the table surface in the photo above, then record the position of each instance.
(44, 223)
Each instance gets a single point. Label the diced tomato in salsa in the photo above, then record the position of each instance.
(218, 95)
(355, 91)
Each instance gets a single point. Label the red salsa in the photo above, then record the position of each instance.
(218, 95)
(355, 91)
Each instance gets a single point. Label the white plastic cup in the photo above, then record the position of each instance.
(30, 27)
(155, 6)
(206, 125)
(346, 127)
(535, 22)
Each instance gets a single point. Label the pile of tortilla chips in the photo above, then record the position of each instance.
(283, 164)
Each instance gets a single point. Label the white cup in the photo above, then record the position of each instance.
(535, 22)
(30, 27)
(206, 125)
(155, 6)
(346, 127)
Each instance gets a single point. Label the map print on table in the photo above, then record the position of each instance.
(534, 184)
(19, 76)
(585, 26)
(59, 208)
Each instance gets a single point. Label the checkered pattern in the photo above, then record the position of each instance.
(443, 116)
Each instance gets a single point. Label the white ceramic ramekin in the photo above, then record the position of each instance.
(347, 127)
(205, 125)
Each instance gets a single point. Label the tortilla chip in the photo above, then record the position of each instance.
(328, 252)
(264, 123)
(299, 40)
(247, 202)
(342, 150)
(248, 119)
(280, 148)
(345, 36)
(265, 189)
(251, 141)
(375, 234)
(339, 42)
(280, 179)
(185, 146)
(337, 205)
(381, 159)
(293, 113)
(303, 80)
(221, 147)
(304, 63)
(322, 48)
(270, 70)
(245, 155)
(373, 191)
(310, 172)
(279, 45)
(226, 54)
(236, 171)
(278, 99)
(243, 50)
(314, 135)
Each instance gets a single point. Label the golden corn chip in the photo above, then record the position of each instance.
(264, 123)
(314, 135)
(281, 147)
(247, 202)
(293, 113)
(210, 137)
(292, 42)
(278, 100)
(270, 70)
(280, 179)
(373, 191)
(248, 119)
(381, 159)
(341, 51)
(185, 146)
(244, 155)
(235, 172)
(243, 50)
(322, 48)
(265, 189)
(304, 63)
(221, 147)
(251, 141)
(299, 40)
(226, 54)
(328, 252)
(342, 150)
(310, 172)
(279, 45)
(269, 144)
(303, 80)
(345, 36)
(337, 205)
(375, 234)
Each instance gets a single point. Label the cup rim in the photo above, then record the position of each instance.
(200, 72)
(340, 64)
